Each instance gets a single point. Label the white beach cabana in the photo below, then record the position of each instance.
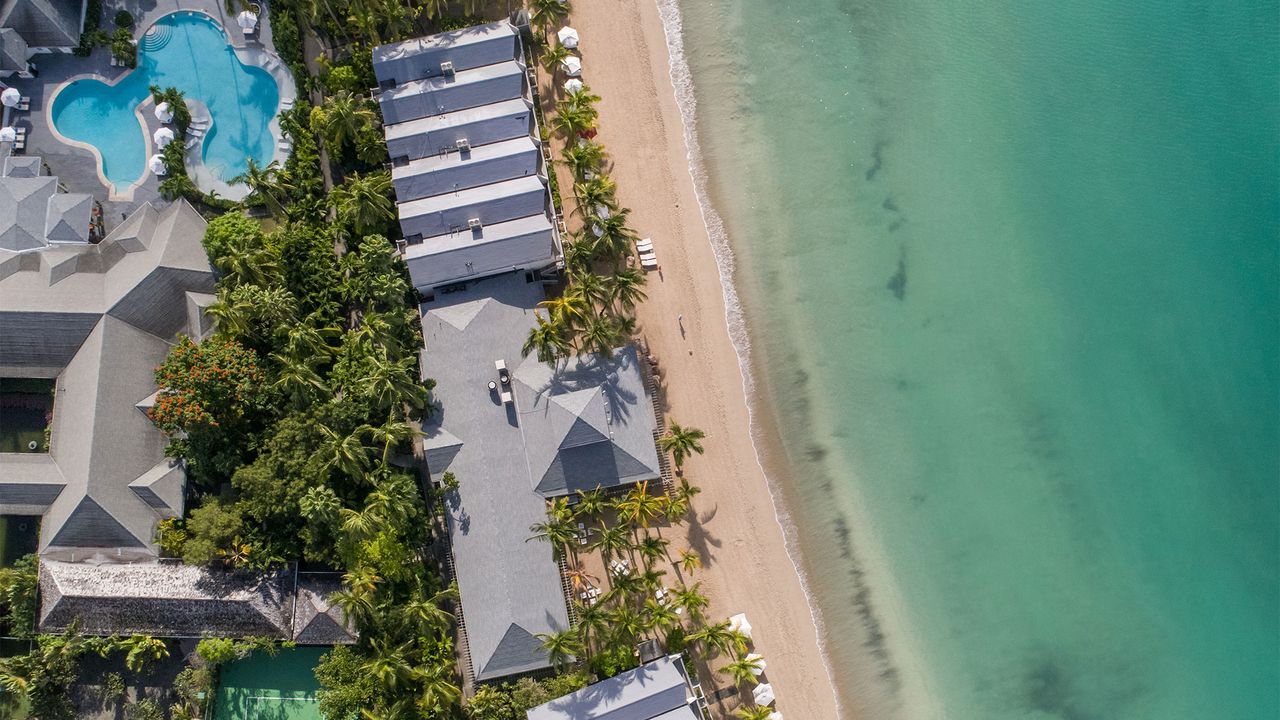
(739, 623)
(763, 694)
(156, 163)
(10, 97)
(163, 113)
(8, 134)
(568, 37)
(247, 21)
(760, 664)
(162, 137)
(573, 85)
(572, 66)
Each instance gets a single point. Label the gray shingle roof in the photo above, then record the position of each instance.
(444, 94)
(525, 243)
(100, 318)
(44, 23)
(14, 51)
(163, 600)
(466, 48)
(479, 126)
(439, 174)
(316, 620)
(491, 204)
(510, 586)
(22, 165)
(659, 689)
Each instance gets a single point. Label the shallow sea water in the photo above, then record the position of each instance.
(1012, 279)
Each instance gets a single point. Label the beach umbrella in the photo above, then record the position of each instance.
(10, 97)
(8, 134)
(163, 113)
(762, 694)
(162, 137)
(156, 163)
(602, 211)
(739, 622)
(573, 85)
(758, 659)
(247, 20)
(775, 715)
(568, 37)
(572, 66)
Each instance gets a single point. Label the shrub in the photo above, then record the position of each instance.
(124, 19)
(91, 36)
(171, 536)
(123, 49)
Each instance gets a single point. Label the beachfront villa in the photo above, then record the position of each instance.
(468, 168)
(658, 690)
(516, 432)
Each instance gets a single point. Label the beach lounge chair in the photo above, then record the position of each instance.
(645, 245)
(648, 261)
(24, 103)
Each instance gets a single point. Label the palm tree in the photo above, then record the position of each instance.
(437, 690)
(390, 666)
(426, 615)
(743, 669)
(681, 442)
(583, 157)
(690, 561)
(345, 454)
(579, 578)
(594, 193)
(580, 98)
(624, 289)
(562, 647)
(610, 541)
(592, 620)
(626, 623)
(552, 57)
(297, 380)
(568, 310)
(753, 712)
(691, 599)
(544, 13)
(547, 340)
(659, 618)
(264, 186)
(590, 286)
(341, 120)
(557, 529)
(390, 435)
(613, 237)
(365, 201)
(247, 265)
(390, 382)
(590, 503)
(715, 637)
(652, 547)
(600, 335)
(638, 507)
(571, 122)
(141, 651)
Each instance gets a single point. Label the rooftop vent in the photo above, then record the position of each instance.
(474, 224)
(446, 68)
(463, 144)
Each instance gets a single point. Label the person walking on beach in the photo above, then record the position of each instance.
(680, 322)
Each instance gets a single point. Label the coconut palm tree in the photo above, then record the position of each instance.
(345, 454)
(552, 57)
(297, 380)
(626, 584)
(627, 624)
(590, 503)
(391, 382)
(579, 578)
(247, 265)
(691, 599)
(638, 507)
(545, 13)
(600, 335)
(572, 122)
(341, 120)
(558, 528)
(264, 187)
(365, 201)
(390, 666)
(437, 690)
(652, 547)
(592, 623)
(613, 238)
(659, 618)
(690, 561)
(547, 340)
(562, 647)
(593, 194)
(590, 286)
(390, 435)
(753, 712)
(579, 253)
(569, 310)
(743, 669)
(610, 541)
(624, 289)
(426, 615)
(580, 98)
(715, 637)
(681, 442)
(583, 157)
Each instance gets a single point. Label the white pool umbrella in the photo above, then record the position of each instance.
(163, 113)
(573, 85)
(775, 715)
(760, 664)
(739, 622)
(10, 97)
(568, 37)
(162, 137)
(572, 66)
(247, 20)
(8, 134)
(763, 694)
(156, 163)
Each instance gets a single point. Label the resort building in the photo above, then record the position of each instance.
(29, 27)
(94, 321)
(659, 690)
(469, 174)
(516, 433)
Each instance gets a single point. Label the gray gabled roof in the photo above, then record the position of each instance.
(444, 94)
(659, 689)
(23, 166)
(45, 23)
(526, 243)
(466, 48)
(490, 204)
(479, 126)
(14, 51)
(451, 172)
(100, 318)
(164, 600)
(316, 619)
(510, 585)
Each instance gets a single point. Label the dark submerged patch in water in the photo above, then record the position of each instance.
(898, 283)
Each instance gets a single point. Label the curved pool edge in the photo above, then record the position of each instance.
(250, 56)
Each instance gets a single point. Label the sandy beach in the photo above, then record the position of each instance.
(747, 566)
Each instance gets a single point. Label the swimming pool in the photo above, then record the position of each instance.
(189, 51)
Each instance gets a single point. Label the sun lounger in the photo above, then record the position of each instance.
(648, 261)
(645, 245)
(24, 103)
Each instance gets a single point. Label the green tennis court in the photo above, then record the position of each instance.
(262, 687)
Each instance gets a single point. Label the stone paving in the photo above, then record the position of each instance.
(77, 167)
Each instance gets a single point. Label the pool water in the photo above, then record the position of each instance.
(190, 52)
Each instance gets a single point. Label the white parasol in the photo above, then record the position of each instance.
(760, 664)
(10, 97)
(163, 113)
(156, 163)
(247, 20)
(762, 694)
(573, 85)
(162, 137)
(739, 622)
(775, 715)
(8, 134)
(572, 66)
(568, 37)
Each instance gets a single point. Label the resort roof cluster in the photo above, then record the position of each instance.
(100, 318)
(470, 183)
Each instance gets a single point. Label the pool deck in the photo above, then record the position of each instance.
(77, 166)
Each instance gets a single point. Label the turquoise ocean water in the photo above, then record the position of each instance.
(1011, 275)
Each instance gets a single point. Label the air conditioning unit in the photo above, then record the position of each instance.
(474, 223)
(463, 144)
(446, 68)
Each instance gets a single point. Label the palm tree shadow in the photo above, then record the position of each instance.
(700, 539)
